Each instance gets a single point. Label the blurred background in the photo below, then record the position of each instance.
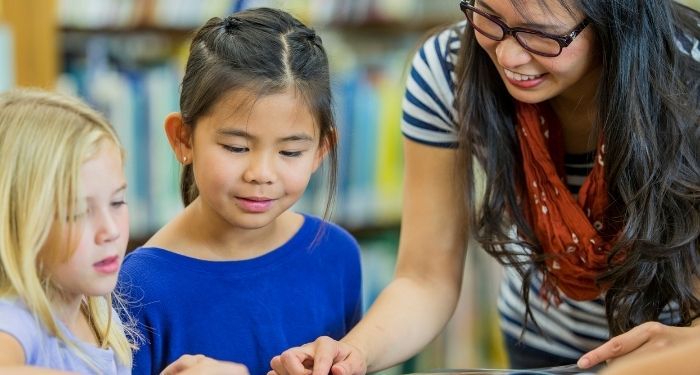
(126, 58)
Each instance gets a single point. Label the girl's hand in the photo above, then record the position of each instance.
(321, 357)
(645, 338)
(200, 364)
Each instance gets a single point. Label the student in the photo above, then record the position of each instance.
(583, 116)
(63, 232)
(238, 275)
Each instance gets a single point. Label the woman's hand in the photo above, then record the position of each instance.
(200, 364)
(644, 339)
(681, 359)
(321, 357)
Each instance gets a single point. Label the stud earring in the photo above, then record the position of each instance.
(184, 159)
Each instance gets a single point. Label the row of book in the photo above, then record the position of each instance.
(361, 12)
(191, 13)
(115, 14)
(92, 14)
(7, 71)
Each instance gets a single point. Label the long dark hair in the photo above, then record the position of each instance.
(264, 51)
(648, 99)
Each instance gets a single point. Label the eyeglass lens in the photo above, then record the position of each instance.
(532, 42)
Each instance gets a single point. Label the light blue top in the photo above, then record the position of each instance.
(42, 349)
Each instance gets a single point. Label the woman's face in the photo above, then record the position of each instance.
(532, 78)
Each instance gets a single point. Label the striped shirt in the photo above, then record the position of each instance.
(429, 117)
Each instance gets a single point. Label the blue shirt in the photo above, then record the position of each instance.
(245, 311)
(42, 349)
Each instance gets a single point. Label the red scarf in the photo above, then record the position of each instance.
(570, 232)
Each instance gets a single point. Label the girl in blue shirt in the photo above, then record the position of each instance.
(238, 275)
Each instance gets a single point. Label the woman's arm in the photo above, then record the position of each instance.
(417, 304)
(419, 301)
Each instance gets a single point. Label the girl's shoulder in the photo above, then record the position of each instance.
(17, 321)
(13, 312)
(328, 230)
(319, 233)
(43, 349)
(147, 268)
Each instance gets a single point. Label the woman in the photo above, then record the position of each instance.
(584, 118)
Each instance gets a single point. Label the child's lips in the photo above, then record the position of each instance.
(107, 265)
(255, 204)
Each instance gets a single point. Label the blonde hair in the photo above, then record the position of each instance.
(44, 140)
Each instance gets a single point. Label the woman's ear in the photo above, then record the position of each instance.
(179, 136)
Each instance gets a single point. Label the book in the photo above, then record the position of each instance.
(7, 70)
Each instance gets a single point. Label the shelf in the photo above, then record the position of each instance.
(387, 27)
(176, 32)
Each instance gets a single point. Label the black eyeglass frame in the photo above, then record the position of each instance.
(563, 40)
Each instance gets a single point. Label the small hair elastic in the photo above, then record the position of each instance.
(232, 23)
(311, 36)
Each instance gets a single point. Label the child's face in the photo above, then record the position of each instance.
(251, 164)
(533, 78)
(102, 228)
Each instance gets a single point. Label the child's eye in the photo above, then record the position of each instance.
(291, 154)
(78, 216)
(235, 149)
(118, 204)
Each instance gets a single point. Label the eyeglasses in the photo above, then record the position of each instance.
(537, 42)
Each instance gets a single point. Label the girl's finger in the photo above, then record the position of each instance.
(327, 353)
(292, 362)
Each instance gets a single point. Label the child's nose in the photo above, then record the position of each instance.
(260, 170)
(108, 230)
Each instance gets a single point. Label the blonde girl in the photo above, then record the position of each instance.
(63, 234)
